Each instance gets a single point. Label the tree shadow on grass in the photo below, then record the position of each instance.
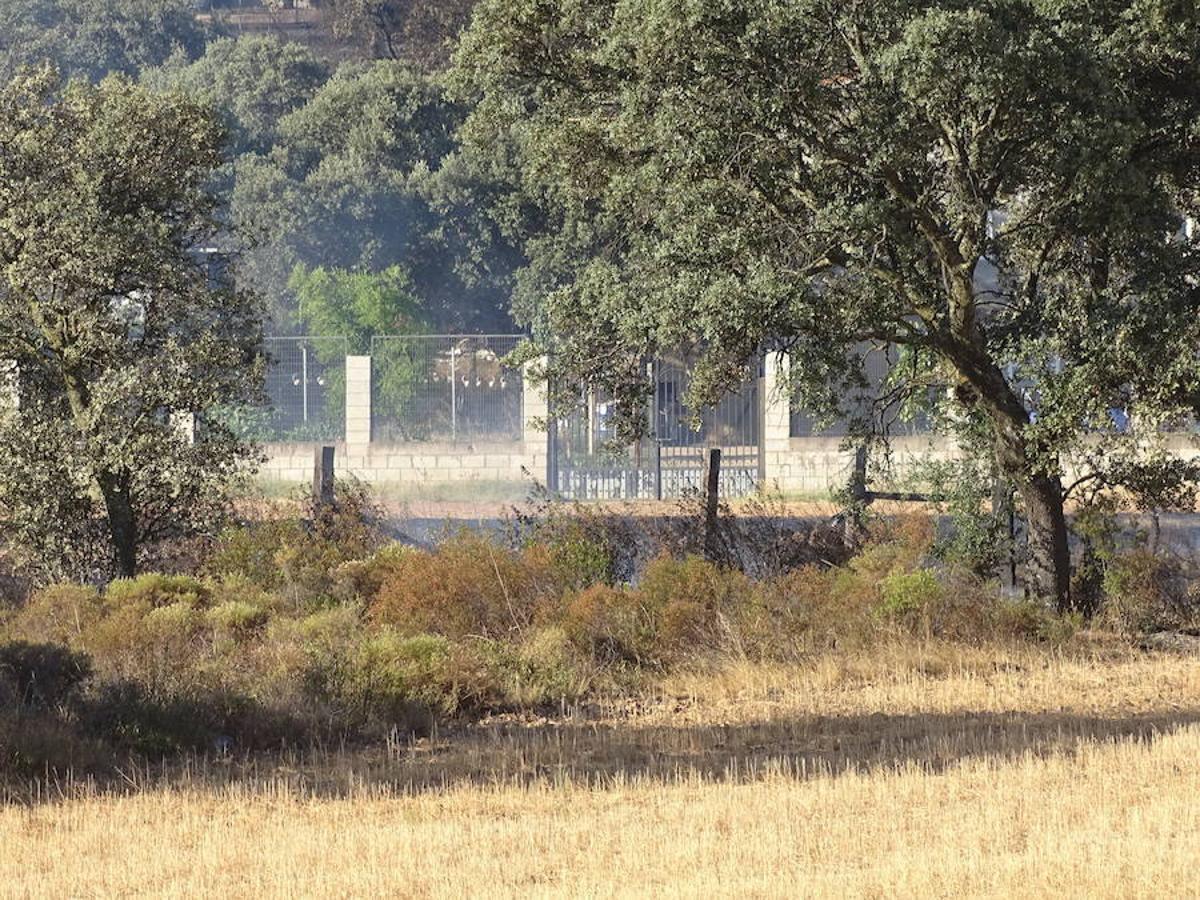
(604, 754)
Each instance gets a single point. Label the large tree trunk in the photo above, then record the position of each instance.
(122, 523)
(1048, 570)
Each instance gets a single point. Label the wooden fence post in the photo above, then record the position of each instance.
(712, 501)
(323, 477)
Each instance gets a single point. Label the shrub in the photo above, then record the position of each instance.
(300, 558)
(397, 681)
(692, 601)
(908, 594)
(155, 590)
(361, 579)
(59, 614)
(237, 619)
(580, 559)
(403, 681)
(901, 544)
(469, 585)
(610, 624)
(40, 745)
(797, 612)
(1030, 620)
(42, 676)
(1143, 591)
(250, 551)
(130, 720)
(547, 668)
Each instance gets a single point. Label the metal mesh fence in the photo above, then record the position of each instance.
(446, 388)
(306, 387)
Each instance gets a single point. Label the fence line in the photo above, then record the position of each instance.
(306, 388)
(446, 388)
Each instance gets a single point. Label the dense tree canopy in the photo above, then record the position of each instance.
(996, 187)
(254, 81)
(118, 330)
(94, 37)
(365, 177)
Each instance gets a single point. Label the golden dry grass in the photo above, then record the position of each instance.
(915, 772)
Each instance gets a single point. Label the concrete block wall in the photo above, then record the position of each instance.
(405, 465)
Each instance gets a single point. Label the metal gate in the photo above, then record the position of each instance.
(584, 464)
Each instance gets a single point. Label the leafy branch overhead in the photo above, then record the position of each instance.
(996, 187)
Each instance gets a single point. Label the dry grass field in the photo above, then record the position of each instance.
(929, 771)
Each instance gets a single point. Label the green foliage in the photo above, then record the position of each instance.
(302, 560)
(962, 490)
(392, 674)
(250, 551)
(92, 38)
(361, 184)
(356, 305)
(254, 81)
(237, 619)
(419, 31)
(114, 324)
(909, 593)
(156, 590)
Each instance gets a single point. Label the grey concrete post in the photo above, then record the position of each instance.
(358, 401)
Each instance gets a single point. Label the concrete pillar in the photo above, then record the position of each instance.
(358, 401)
(536, 432)
(535, 407)
(777, 420)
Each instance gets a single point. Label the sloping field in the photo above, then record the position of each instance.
(912, 773)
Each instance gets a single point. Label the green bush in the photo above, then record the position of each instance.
(251, 551)
(300, 558)
(155, 590)
(581, 559)
(907, 594)
(361, 579)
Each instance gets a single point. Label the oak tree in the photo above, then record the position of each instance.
(997, 187)
(118, 328)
